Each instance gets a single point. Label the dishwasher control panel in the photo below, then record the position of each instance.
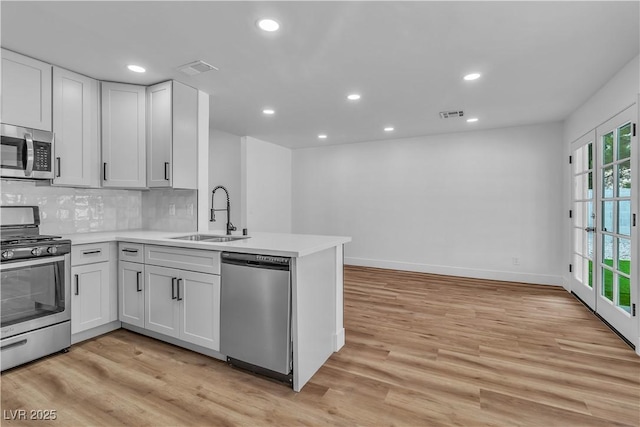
(272, 259)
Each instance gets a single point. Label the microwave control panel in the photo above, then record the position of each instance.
(42, 156)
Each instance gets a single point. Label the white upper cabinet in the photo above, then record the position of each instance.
(26, 91)
(123, 136)
(76, 120)
(159, 135)
(172, 141)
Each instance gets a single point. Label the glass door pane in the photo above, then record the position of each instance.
(583, 220)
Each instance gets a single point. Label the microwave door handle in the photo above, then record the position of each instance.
(30, 156)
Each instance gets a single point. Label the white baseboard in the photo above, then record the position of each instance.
(338, 341)
(506, 276)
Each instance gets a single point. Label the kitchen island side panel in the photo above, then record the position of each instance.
(313, 313)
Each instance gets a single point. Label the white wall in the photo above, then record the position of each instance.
(224, 169)
(462, 204)
(266, 175)
(616, 95)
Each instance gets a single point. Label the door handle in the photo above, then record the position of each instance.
(179, 297)
(590, 229)
(166, 172)
(104, 171)
(173, 288)
(59, 173)
(138, 274)
(77, 285)
(30, 155)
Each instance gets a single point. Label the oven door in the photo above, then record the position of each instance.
(34, 294)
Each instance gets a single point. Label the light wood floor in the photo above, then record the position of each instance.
(422, 350)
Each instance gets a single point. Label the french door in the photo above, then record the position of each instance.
(605, 203)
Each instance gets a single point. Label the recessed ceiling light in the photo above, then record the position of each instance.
(268, 25)
(136, 68)
(388, 129)
(353, 97)
(268, 111)
(322, 136)
(472, 76)
(472, 120)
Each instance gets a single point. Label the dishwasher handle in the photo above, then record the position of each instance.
(257, 261)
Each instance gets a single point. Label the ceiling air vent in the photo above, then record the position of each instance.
(197, 67)
(451, 114)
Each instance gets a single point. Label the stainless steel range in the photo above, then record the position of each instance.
(35, 287)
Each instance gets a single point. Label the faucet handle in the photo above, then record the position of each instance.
(231, 227)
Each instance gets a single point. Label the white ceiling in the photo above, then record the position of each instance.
(539, 60)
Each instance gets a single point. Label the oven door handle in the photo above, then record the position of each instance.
(30, 263)
(30, 155)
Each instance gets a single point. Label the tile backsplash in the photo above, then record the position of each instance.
(65, 210)
(170, 210)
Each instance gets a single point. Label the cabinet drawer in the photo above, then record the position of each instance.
(184, 259)
(88, 254)
(132, 252)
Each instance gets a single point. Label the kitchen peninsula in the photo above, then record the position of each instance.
(316, 285)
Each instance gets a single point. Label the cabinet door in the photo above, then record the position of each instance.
(185, 137)
(123, 136)
(26, 91)
(131, 293)
(159, 135)
(161, 307)
(75, 123)
(89, 296)
(199, 297)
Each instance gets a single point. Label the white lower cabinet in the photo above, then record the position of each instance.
(161, 300)
(183, 304)
(174, 292)
(199, 310)
(131, 293)
(94, 294)
(90, 300)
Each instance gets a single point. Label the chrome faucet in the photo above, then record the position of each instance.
(230, 227)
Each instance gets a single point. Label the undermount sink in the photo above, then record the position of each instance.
(210, 238)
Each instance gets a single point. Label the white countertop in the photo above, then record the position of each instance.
(279, 244)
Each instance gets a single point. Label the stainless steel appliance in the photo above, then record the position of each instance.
(255, 313)
(35, 294)
(26, 153)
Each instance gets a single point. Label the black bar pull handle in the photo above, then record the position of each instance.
(92, 252)
(166, 171)
(179, 297)
(138, 274)
(104, 171)
(77, 284)
(58, 173)
(173, 288)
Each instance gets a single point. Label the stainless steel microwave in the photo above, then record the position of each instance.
(26, 153)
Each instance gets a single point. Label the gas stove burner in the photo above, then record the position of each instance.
(16, 240)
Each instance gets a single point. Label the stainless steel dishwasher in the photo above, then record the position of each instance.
(255, 313)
